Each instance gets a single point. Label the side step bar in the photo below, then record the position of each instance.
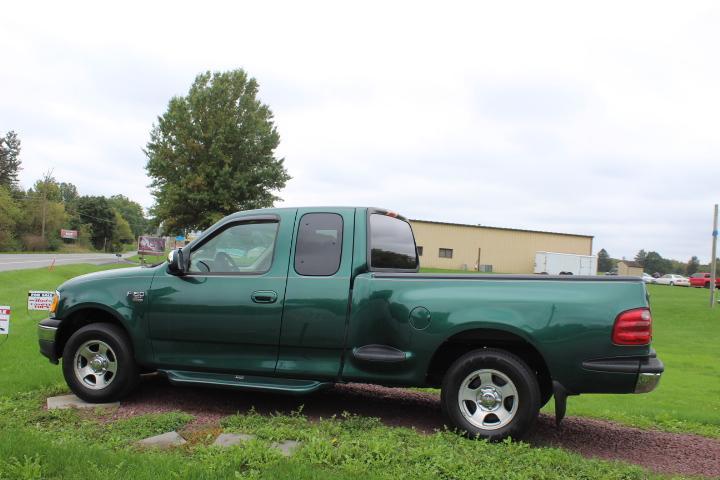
(243, 382)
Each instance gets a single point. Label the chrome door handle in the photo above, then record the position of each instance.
(264, 296)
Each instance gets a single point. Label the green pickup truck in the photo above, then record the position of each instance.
(295, 299)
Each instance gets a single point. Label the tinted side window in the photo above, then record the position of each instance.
(391, 243)
(319, 244)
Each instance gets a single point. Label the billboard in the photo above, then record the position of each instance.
(39, 300)
(72, 234)
(151, 245)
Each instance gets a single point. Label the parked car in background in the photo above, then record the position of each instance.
(672, 279)
(702, 279)
(647, 278)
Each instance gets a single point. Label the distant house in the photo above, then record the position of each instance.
(626, 267)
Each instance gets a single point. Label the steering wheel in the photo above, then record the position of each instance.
(226, 259)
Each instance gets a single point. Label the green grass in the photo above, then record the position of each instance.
(148, 259)
(70, 444)
(81, 444)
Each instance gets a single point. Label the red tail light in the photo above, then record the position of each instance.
(633, 327)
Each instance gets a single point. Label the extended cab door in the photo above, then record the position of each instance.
(225, 313)
(318, 287)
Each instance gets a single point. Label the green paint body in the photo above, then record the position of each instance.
(206, 328)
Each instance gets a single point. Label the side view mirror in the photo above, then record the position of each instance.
(176, 262)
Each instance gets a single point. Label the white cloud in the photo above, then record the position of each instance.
(598, 119)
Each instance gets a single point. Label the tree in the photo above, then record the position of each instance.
(693, 265)
(212, 153)
(96, 212)
(9, 160)
(132, 212)
(68, 193)
(122, 234)
(604, 261)
(656, 263)
(10, 215)
(640, 257)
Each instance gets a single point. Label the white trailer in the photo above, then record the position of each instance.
(553, 263)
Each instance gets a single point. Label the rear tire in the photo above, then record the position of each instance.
(491, 394)
(98, 363)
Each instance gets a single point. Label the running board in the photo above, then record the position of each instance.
(244, 382)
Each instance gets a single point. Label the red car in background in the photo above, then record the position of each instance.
(702, 279)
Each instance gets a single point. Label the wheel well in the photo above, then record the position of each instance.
(461, 343)
(78, 320)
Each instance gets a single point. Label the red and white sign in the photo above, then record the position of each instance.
(73, 234)
(39, 300)
(4, 320)
(151, 246)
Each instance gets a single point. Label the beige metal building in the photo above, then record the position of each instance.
(504, 250)
(626, 267)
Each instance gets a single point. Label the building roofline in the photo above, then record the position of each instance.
(502, 228)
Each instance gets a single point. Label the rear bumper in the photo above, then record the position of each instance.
(47, 333)
(648, 369)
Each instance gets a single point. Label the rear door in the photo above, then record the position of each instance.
(318, 288)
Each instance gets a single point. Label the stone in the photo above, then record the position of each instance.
(286, 447)
(71, 401)
(165, 440)
(230, 439)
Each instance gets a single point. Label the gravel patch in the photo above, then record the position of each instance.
(658, 451)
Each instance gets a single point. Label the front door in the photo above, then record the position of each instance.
(225, 313)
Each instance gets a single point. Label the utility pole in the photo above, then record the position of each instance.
(713, 266)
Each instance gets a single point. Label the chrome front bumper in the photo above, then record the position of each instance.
(47, 332)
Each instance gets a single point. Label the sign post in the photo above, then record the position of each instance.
(70, 234)
(39, 300)
(713, 266)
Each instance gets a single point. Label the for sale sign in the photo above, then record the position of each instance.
(72, 234)
(39, 300)
(151, 245)
(4, 320)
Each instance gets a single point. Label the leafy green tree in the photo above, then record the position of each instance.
(656, 263)
(96, 212)
(68, 193)
(640, 257)
(122, 234)
(605, 263)
(10, 215)
(693, 265)
(212, 153)
(132, 212)
(9, 160)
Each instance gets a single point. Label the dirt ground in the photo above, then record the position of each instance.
(658, 451)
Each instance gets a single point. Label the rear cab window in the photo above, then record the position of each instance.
(391, 244)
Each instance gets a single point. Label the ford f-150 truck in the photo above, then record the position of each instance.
(294, 299)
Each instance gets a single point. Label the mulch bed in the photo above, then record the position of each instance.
(658, 451)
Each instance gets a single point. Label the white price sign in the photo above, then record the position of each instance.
(39, 300)
(4, 320)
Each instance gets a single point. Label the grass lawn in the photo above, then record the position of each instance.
(71, 444)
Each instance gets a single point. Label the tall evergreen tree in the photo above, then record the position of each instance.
(9, 160)
(604, 261)
(693, 265)
(640, 257)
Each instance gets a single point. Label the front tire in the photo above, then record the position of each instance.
(98, 363)
(490, 394)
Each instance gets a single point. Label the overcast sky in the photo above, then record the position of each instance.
(601, 120)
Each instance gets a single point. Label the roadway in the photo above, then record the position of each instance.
(13, 261)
